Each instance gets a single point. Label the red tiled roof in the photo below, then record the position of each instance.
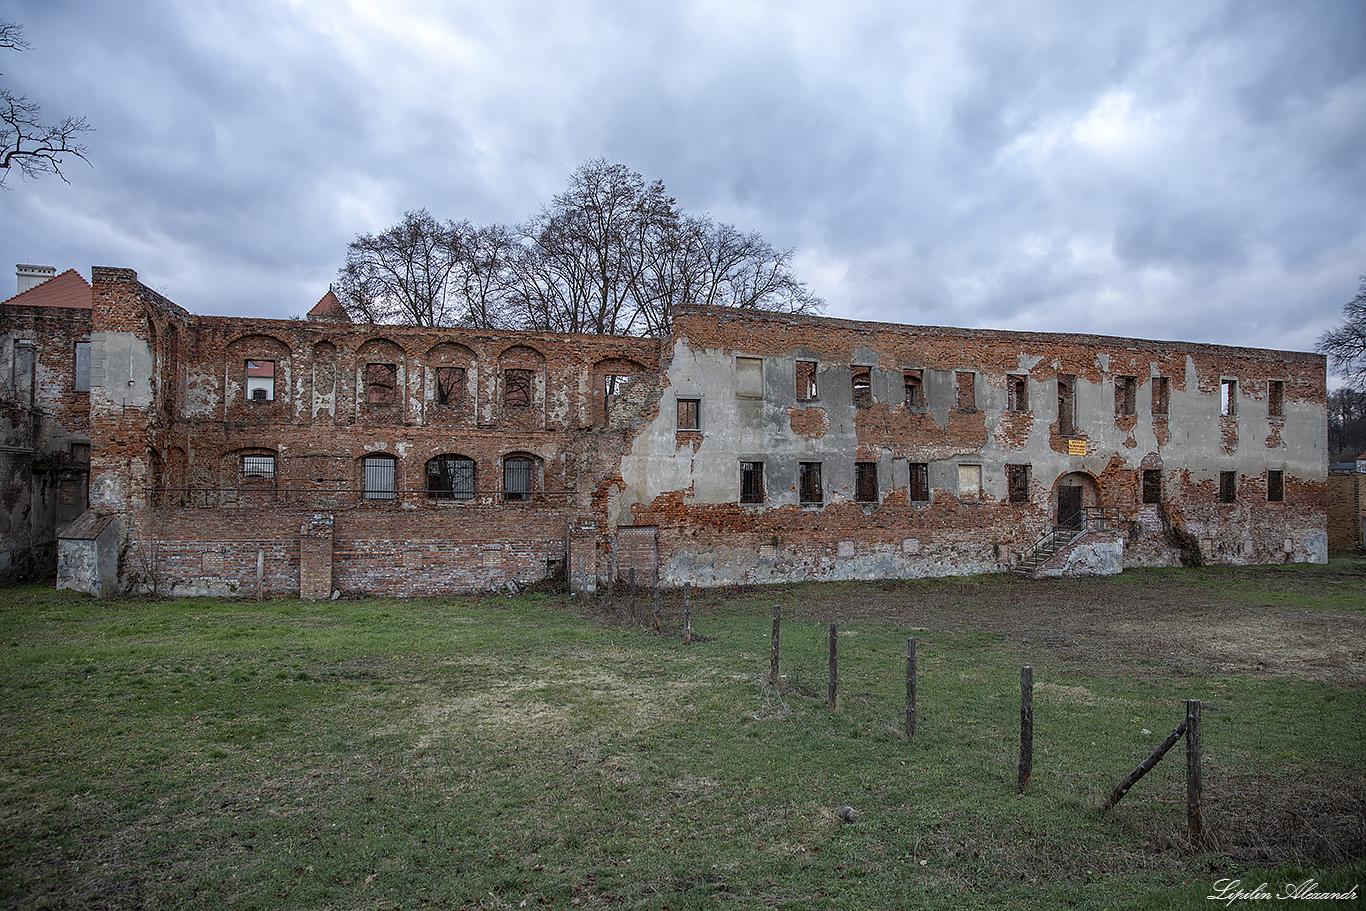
(329, 308)
(66, 290)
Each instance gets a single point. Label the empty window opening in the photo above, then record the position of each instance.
(450, 477)
(1228, 397)
(258, 467)
(1017, 393)
(915, 390)
(689, 414)
(1228, 486)
(806, 379)
(751, 482)
(82, 366)
(1275, 486)
(865, 482)
(380, 476)
(1152, 486)
(450, 386)
(967, 392)
(260, 381)
(749, 376)
(969, 481)
(613, 385)
(1162, 395)
(381, 383)
(810, 492)
(517, 388)
(920, 482)
(1067, 404)
(863, 385)
(1275, 399)
(1126, 395)
(1017, 483)
(517, 478)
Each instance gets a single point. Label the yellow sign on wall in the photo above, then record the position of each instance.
(1076, 447)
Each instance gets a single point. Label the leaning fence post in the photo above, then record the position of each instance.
(1026, 725)
(910, 688)
(773, 657)
(687, 613)
(1194, 785)
(834, 634)
(1144, 767)
(655, 609)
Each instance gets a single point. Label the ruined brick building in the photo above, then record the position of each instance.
(304, 457)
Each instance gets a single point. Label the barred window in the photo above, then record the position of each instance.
(865, 482)
(380, 477)
(258, 466)
(810, 492)
(517, 388)
(751, 482)
(517, 478)
(381, 383)
(920, 482)
(1017, 483)
(450, 386)
(450, 477)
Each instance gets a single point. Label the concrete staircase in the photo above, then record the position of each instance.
(1058, 539)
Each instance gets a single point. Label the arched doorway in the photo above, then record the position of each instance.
(1072, 493)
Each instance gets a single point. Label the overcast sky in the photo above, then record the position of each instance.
(1191, 170)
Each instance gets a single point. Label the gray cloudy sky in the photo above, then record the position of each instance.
(1191, 170)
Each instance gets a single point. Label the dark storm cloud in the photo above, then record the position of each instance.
(1165, 169)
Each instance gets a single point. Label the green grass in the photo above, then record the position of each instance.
(486, 753)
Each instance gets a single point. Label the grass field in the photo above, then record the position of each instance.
(540, 752)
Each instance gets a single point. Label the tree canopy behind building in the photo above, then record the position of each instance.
(611, 255)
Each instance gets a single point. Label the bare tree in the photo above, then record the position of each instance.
(26, 142)
(1346, 345)
(611, 255)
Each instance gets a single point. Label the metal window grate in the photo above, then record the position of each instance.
(865, 482)
(751, 482)
(1228, 486)
(1275, 486)
(517, 479)
(450, 478)
(810, 491)
(1017, 478)
(258, 466)
(920, 482)
(379, 478)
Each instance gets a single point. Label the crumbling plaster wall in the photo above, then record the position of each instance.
(687, 483)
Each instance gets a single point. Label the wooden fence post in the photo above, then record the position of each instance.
(631, 575)
(655, 618)
(687, 613)
(1194, 784)
(1026, 725)
(834, 634)
(773, 658)
(910, 688)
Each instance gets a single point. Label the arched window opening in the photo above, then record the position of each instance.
(450, 477)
